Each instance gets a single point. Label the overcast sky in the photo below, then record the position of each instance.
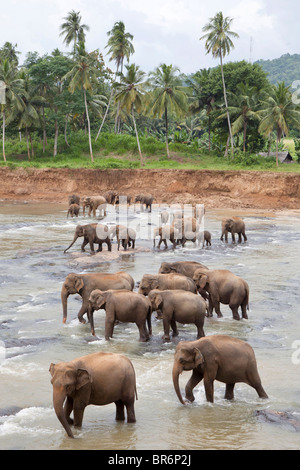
(165, 31)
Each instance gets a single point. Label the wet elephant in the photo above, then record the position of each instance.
(84, 284)
(92, 234)
(96, 379)
(179, 306)
(125, 236)
(216, 357)
(187, 268)
(234, 225)
(224, 287)
(165, 233)
(124, 306)
(94, 203)
(73, 210)
(166, 282)
(145, 199)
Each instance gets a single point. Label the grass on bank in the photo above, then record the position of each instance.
(120, 151)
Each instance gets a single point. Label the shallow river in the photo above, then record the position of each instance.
(33, 268)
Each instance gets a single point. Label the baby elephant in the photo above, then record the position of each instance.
(122, 305)
(74, 209)
(216, 357)
(179, 306)
(96, 379)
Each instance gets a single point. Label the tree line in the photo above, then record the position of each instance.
(233, 105)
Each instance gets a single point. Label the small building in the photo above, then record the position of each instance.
(283, 157)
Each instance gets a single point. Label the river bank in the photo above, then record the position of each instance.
(213, 188)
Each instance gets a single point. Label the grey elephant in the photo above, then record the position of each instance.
(73, 210)
(165, 233)
(92, 234)
(187, 268)
(216, 357)
(96, 379)
(125, 236)
(234, 225)
(145, 199)
(84, 284)
(164, 216)
(110, 196)
(74, 199)
(178, 306)
(224, 287)
(124, 306)
(94, 203)
(166, 282)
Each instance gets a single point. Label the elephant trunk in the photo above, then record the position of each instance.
(64, 300)
(74, 240)
(176, 372)
(59, 396)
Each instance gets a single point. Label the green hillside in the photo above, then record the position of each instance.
(284, 69)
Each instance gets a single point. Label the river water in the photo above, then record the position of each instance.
(33, 268)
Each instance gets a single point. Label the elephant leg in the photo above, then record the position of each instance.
(144, 336)
(209, 389)
(244, 311)
(233, 237)
(90, 314)
(159, 243)
(200, 331)
(166, 325)
(82, 311)
(133, 244)
(109, 326)
(129, 403)
(235, 313)
(120, 413)
(165, 242)
(79, 408)
(174, 327)
(84, 243)
(240, 237)
(216, 306)
(229, 395)
(118, 243)
(255, 382)
(92, 246)
(108, 245)
(244, 235)
(196, 377)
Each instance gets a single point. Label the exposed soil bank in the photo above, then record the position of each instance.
(215, 189)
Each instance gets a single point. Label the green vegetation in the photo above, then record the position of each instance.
(284, 69)
(71, 110)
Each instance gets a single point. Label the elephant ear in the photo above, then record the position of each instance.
(157, 301)
(203, 280)
(78, 283)
(100, 301)
(198, 358)
(82, 378)
(51, 369)
(154, 284)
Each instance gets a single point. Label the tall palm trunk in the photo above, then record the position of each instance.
(44, 131)
(226, 104)
(89, 126)
(3, 136)
(66, 125)
(55, 138)
(167, 131)
(27, 143)
(106, 112)
(137, 137)
(245, 135)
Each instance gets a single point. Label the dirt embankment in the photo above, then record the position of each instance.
(215, 189)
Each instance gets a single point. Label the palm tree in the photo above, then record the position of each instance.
(219, 43)
(9, 51)
(82, 76)
(73, 30)
(119, 47)
(13, 87)
(130, 95)
(167, 95)
(245, 108)
(278, 113)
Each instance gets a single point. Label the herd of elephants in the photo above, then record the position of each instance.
(184, 292)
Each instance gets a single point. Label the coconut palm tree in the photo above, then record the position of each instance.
(73, 30)
(219, 43)
(130, 95)
(167, 95)
(82, 76)
(13, 90)
(278, 113)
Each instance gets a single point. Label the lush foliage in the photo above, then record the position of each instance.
(284, 69)
(64, 106)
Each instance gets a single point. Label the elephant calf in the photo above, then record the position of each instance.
(216, 357)
(125, 236)
(74, 209)
(122, 305)
(179, 306)
(233, 225)
(96, 379)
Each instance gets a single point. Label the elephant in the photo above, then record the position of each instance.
(124, 306)
(216, 357)
(74, 209)
(198, 237)
(121, 198)
(125, 236)
(84, 284)
(94, 203)
(110, 196)
(98, 379)
(178, 306)
(224, 287)
(187, 268)
(93, 234)
(233, 225)
(164, 216)
(166, 282)
(74, 199)
(167, 232)
(146, 199)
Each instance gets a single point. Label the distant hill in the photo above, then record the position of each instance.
(285, 69)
